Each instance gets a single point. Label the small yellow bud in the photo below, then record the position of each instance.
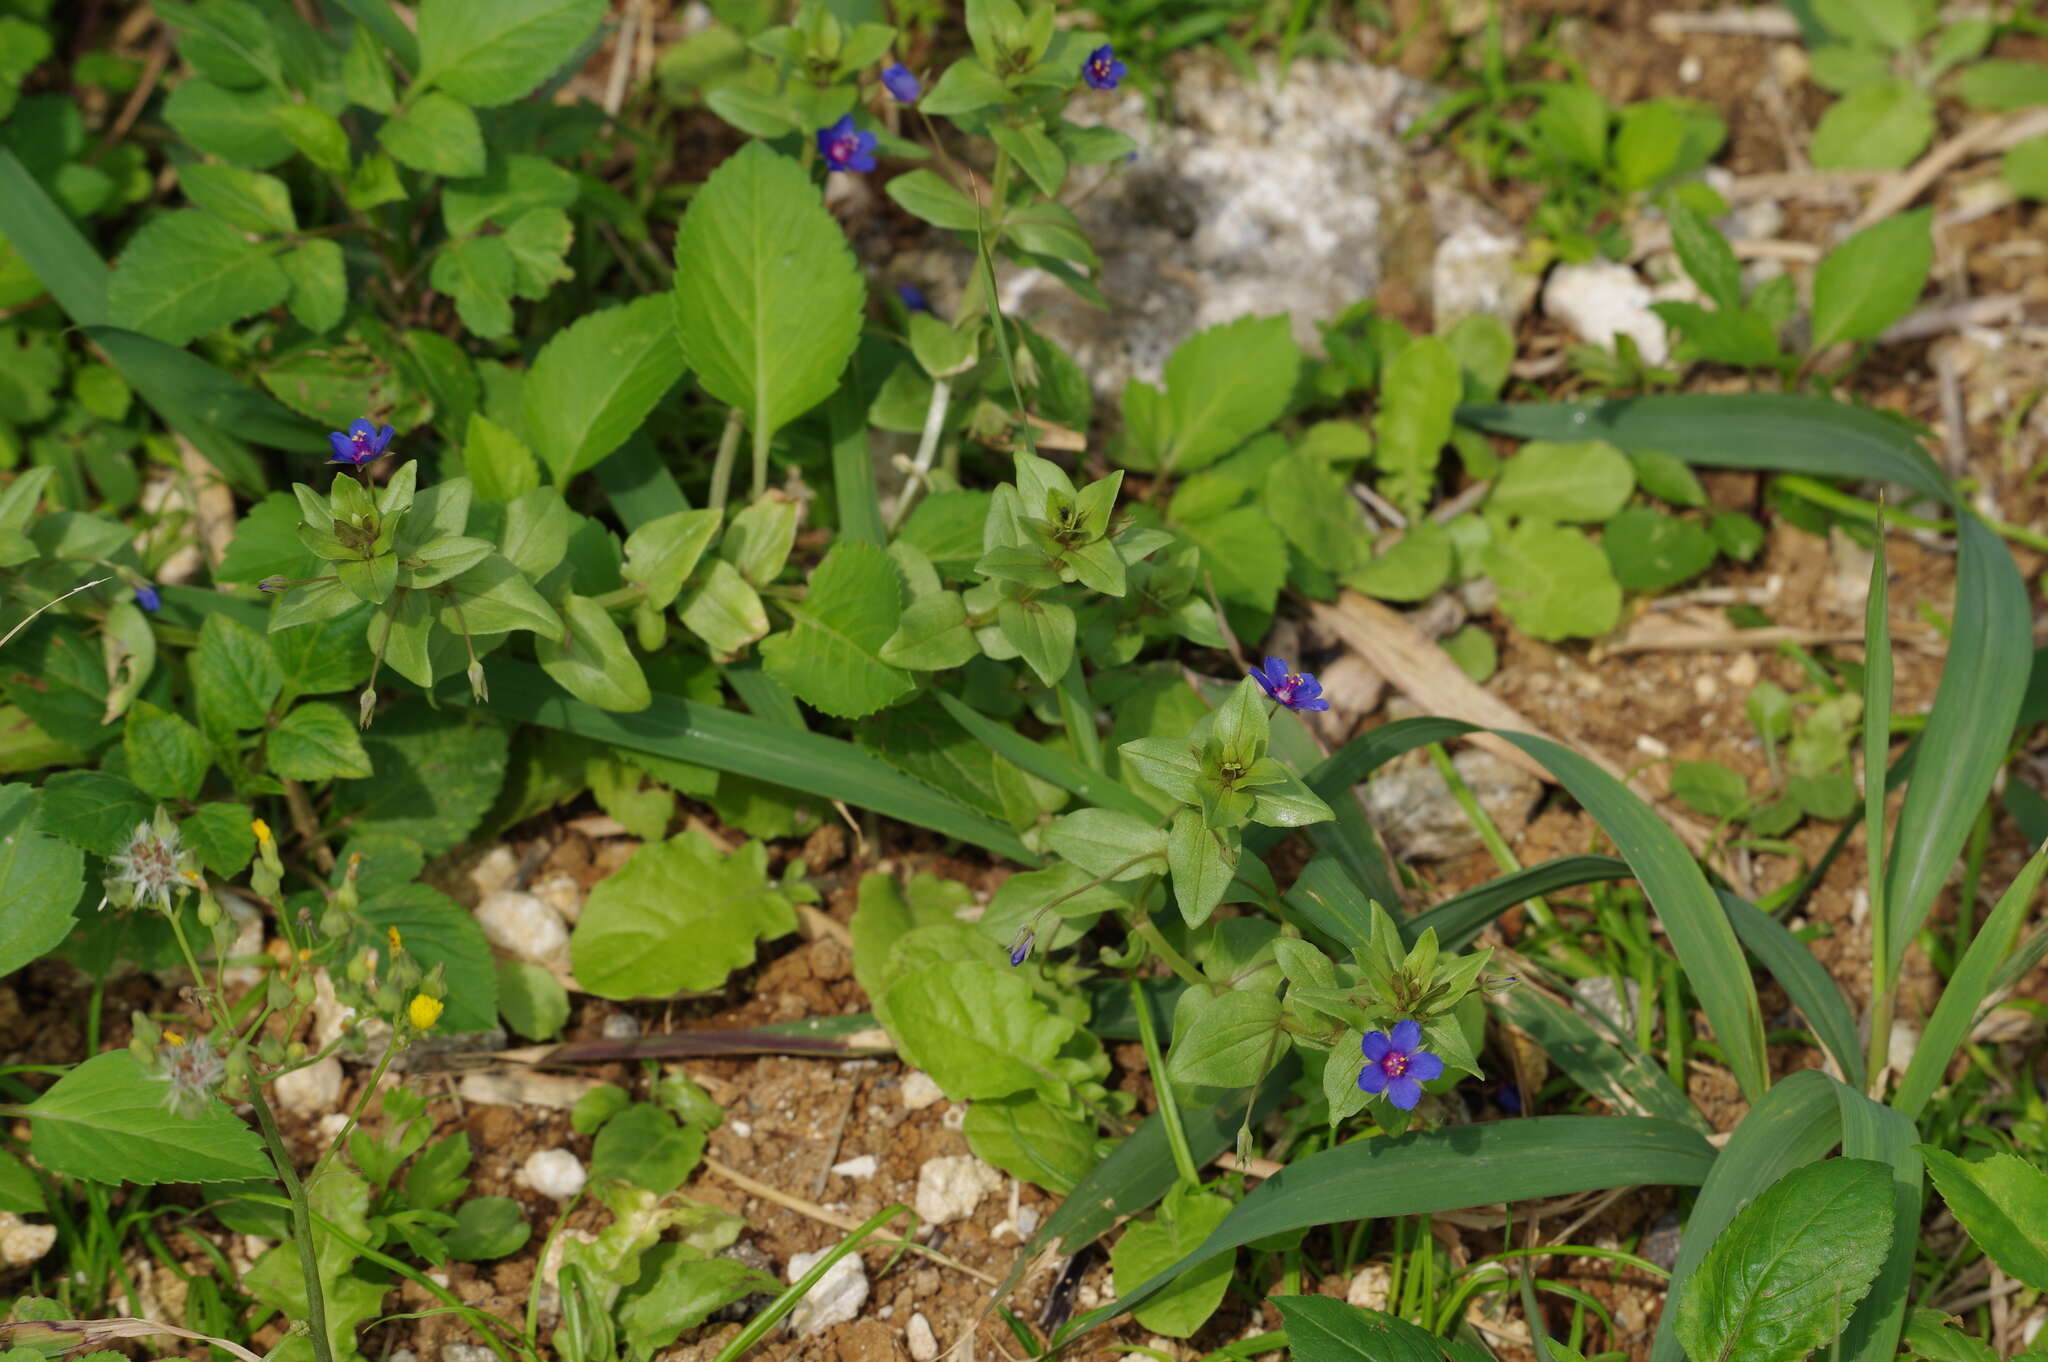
(261, 829)
(305, 955)
(174, 1038)
(423, 1012)
(391, 935)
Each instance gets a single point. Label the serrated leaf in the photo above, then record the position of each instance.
(639, 938)
(40, 881)
(1879, 127)
(593, 384)
(105, 1121)
(437, 134)
(222, 835)
(167, 757)
(1554, 582)
(538, 240)
(831, 656)
(243, 198)
(1223, 386)
(235, 676)
(186, 274)
(477, 274)
(317, 742)
(435, 779)
(768, 298)
(1418, 395)
(2003, 1202)
(319, 279)
(94, 809)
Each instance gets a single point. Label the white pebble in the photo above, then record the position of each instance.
(523, 926)
(949, 1188)
(837, 1296)
(861, 1167)
(1369, 1288)
(311, 1091)
(924, 1346)
(919, 1091)
(1603, 299)
(563, 894)
(497, 870)
(620, 1026)
(22, 1243)
(466, 1352)
(743, 1129)
(554, 1173)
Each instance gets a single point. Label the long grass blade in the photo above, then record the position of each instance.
(853, 468)
(1871, 1130)
(1442, 1170)
(1784, 432)
(1974, 980)
(1989, 658)
(1044, 762)
(1463, 916)
(1805, 980)
(1608, 1066)
(1699, 930)
(764, 750)
(63, 260)
(1795, 1123)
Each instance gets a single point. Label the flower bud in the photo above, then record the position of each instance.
(144, 1052)
(209, 913)
(296, 1051)
(366, 704)
(477, 688)
(279, 995)
(336, 921)
(303, 991)
(271, 1051)
(145, 1029)
(423, 1012)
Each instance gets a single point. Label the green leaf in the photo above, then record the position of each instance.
(1230, 1041)
(1413, 569)
(1316, 513)
(538, 242)
(1803, 978)
(644, 1147)
(434, 779)
(1666, 478)
(768, 299)
(1149, 1246)
(497, 461)
(319, 279)
(316, 742)
(932, 635)
(638, 938)
(964, 87)
(1872, 279)
(366, 74)
(186, 274)
(1042, 632)
(437, 134)
(1878, 127)
(40, 881)
(1030, 1139)
(234, 125)
(1475, 1165)
(317, 134)
(1554, 582)
(661, 554)
(477, 274)
(1871, 1130)
(1705, 254)
(94, 809)
(2003, 85)
(105, 1121)
(245, 199)
(1650, 551)
(167, 757)
(223, 837)
(532, 1001)
(1417, 397)
(928, 195)
(1223, 386)
(513, 185)
(436, 932)
(677, 1290)
(487, 1227)
(1894, 24)
(2025, 168)
(976, 1028)
(496, 53)
(1202, 866)
(593, 384)
(1585, 481)
(594, 662)
(1784, 1277)
(1320, 1329)
(831, 655)
(2002, 1201)
(235, 677)
(1929, 1336)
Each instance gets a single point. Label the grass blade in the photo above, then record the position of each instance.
(1974, 980)
(1044, 762)
(1792, 1125)
(1805, 980)
(1699, 930)
(853, 467)
(1989, 658)
(1873, 1131)
(1461, 917)
(1442, 1170)
(1877, 750)
(762, 749)
(1609, 1067)
(1782, 432)
(63, 260)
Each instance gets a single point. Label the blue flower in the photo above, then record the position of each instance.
(362, 443)
(274, 583)
(1102, 70)
(898, 81)
(845, 147)
(1294, 690)
(1397, 1065)
(146, 597)
(913, 298)
(1021, 951)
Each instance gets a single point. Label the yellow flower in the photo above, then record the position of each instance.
(423, 1011)
(391, 935)
(174, 1038)
(262, 831)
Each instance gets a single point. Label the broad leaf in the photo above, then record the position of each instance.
(486, 54)
(1872, 279)
(105, 1122)
(830, 656)
(187, 273)
(2003, 1202)
(40, 880)
(1184, 1220)
(639, 938)
(593, 384)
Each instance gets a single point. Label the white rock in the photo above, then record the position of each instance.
(1413, 810)
(620, 1026)
(329, 1012)
(22, 1243)
(862, 1167)
(1602, 299)
(563, 894)
(919, 1091)
(1598, 993)
(554, 1173)
(955, 1117)
(836, 1298)
(466, 1352)
(497, 870)
(743, 1129)
(521, 925)
(1369, 1289)
(949, 1188)
(918, 1336)
(331, 1126)
(403, 1355)
(1478, 271)
(311, 1091)
(1905, 1041)
(248, 939)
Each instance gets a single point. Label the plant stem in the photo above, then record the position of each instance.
(302, 1225)
(1175, 961)
(927, 446)
(1077, 712)
(728, 450)
(1169, 1105)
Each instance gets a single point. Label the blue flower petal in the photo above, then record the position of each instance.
(344, 448)
(1423, 1066)
(1372, 1079)
(1375, 1044)
(1404, 1092)
(1407, 1035)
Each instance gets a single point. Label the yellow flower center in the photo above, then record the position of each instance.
(423, 1011)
